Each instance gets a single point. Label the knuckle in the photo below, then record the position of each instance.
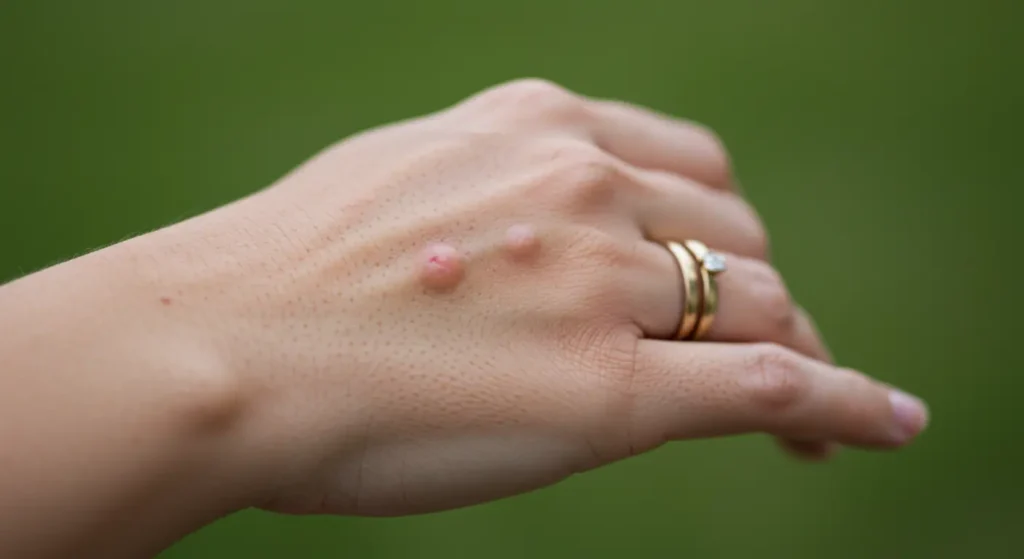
(537, 96)
(586, 175)
(572, 155)
(532, 87)
(777, 381)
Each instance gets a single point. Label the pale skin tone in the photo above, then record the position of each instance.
(433, 314)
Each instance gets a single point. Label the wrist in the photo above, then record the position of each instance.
(234, 295)
(172, 315)
(135, 411)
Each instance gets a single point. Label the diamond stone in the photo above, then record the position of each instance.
(714, 262)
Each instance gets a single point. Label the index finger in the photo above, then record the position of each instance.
(696, 390)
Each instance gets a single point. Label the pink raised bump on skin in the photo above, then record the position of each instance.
(441, 267)
(521, 240)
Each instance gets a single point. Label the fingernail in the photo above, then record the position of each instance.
(910, 413)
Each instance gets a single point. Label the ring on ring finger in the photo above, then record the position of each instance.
(698, 267)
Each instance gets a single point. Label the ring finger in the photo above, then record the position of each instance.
(754, 304)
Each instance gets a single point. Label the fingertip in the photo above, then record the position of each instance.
(910, 414)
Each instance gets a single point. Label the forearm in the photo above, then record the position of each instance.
(117, 421)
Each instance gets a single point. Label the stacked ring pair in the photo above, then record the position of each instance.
(698, 266)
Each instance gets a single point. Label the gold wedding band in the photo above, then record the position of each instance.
(698, 266)
(711, 264)
(691, 289)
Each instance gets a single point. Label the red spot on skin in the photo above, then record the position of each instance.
(442, 267)
(165, 301)
(521, 240)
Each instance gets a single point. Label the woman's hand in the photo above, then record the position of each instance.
(476, 303)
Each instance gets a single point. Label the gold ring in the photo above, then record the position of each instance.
(691, 289)
(711, 264)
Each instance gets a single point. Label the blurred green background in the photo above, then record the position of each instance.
(880, 139)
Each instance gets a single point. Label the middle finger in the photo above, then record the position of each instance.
(680, 208)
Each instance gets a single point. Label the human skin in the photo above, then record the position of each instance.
(432, 314)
